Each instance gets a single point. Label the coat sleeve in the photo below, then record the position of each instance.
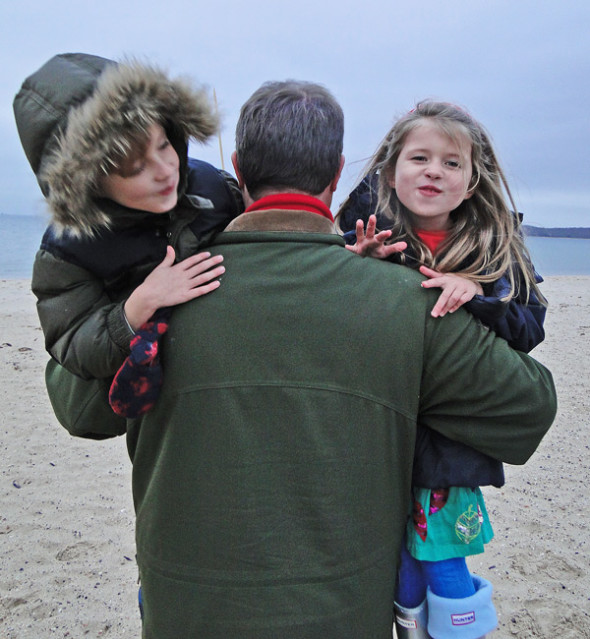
(479, 391)
(519, 321)
(84, 329)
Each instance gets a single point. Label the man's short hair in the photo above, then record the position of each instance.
(289, 136)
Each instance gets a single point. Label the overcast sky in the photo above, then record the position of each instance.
(521, 67)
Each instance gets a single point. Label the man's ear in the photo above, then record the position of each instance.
(234, 161)
(334, 182)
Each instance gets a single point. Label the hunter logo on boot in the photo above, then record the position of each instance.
(463, 619)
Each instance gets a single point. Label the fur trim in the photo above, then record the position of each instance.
(128, 98)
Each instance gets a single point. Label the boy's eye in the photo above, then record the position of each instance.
(165, 144)
(136, 168)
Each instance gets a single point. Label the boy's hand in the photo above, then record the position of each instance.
(371, 244)
(170, 284)
(456, 290)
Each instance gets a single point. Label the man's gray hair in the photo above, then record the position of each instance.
(289, 136)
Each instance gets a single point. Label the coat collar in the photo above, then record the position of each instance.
(281, 220)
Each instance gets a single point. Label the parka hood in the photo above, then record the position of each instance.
(79, 112)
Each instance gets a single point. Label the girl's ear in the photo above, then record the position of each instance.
(471, 190)
(390, 173)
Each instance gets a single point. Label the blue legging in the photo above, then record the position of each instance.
(448, 578)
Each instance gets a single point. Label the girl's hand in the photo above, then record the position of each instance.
(456, 290)
(371, 244)
(170, 284)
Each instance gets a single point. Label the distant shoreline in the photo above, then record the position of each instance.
(574, 232)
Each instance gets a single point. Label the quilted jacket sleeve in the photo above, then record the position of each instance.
(84, 329)
(519, 321)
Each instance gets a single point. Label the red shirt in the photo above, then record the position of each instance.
(293, 202)
(432, 239)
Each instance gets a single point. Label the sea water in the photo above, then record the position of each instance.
(559, 255)
(20, 236)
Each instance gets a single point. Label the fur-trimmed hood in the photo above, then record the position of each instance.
(78, 112)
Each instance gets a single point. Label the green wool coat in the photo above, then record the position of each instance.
(272, 479)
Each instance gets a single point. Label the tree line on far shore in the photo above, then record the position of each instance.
(578, 232)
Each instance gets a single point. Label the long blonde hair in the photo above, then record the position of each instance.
(485, 241)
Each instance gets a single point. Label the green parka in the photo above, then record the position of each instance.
(271, 480)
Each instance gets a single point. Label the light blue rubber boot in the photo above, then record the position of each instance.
(410, 623)
(468, 618)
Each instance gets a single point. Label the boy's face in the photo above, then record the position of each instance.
(152, 182)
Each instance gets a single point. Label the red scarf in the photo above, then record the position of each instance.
(432, 239)
(291, 202)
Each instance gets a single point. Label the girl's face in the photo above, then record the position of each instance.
(432, 175)
(151, 182)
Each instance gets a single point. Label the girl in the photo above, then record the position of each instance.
(435, 187)
(108, 143)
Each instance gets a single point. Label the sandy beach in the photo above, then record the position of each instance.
(67, 566)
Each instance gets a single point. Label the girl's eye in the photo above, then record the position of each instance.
(419, 158)
(454, 164)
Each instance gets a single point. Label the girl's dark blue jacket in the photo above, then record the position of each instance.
(438, 461)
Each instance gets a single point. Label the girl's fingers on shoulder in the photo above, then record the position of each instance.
(432, 283)
(429, 272)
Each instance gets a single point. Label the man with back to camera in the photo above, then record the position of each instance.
(272, 478)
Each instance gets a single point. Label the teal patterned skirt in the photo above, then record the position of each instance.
(446, 523)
